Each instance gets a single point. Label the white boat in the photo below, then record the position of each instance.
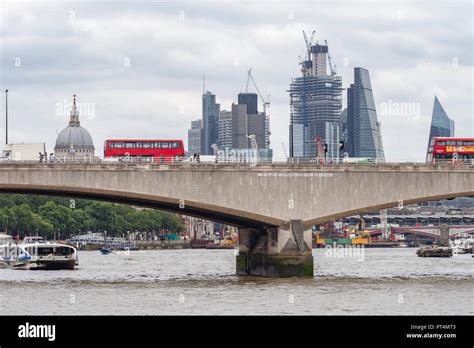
(462, 244)
(14, 256)
(50, 256)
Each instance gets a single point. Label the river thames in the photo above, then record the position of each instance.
(177, 282)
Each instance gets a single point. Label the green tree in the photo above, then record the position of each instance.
(59, 216)
(20, 218)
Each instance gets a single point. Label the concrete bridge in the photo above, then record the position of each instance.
(428, 231)
(274, 205)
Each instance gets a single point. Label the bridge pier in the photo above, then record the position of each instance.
(275, 252)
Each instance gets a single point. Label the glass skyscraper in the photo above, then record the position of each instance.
(441, 126)
(195, 137)
(210, 118)
(364, 138)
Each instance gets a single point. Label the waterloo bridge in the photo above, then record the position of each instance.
(274, 206)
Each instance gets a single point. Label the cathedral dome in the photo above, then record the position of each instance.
(76, 137)
(74, 141)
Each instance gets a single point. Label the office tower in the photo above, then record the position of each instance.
(249, 99)
(210, 118)
(332, 139)
(441, 126)
(267, 131)
(225, 129)
(239, 126)
(256, 126)
(195, 137)
(364, 137)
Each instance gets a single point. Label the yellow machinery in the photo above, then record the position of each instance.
(229, 241)
(353, 235)
(319, 241)
(361, 235)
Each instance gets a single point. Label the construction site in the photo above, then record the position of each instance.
(315, 103)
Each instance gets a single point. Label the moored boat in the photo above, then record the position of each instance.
(434, 251)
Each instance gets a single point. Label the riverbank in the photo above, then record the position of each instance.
(148, 245)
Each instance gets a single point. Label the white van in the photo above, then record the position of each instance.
(203, 159)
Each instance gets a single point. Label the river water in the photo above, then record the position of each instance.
(385, 281)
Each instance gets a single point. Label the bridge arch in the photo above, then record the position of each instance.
(367, 209)
(211, 212)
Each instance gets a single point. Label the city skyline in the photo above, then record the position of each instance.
(138, 84)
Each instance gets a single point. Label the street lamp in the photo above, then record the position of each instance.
(6, 117)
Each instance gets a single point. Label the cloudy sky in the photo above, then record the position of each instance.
(137, 66)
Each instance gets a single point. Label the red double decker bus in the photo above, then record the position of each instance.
(456, 150)
(139, 150)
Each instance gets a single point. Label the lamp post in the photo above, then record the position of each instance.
(6, 117)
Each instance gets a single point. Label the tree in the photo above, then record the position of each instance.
(20, 218)
(59, 216)
(3, 220)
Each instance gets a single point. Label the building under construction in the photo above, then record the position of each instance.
(315, 105)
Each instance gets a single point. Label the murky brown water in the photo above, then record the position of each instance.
(387, 281)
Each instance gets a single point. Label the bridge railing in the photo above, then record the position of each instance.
(251, 161)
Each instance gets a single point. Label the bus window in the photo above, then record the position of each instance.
(165, 145)
(451, 143)
(147, 145)
(441, 143)
(158, 145)
(129, 145)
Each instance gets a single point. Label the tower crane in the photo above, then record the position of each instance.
(333, 70)
(266, 103)
(284, 151)
(309, 43)
(253, 141)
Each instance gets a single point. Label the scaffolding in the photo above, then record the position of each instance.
(315, 101)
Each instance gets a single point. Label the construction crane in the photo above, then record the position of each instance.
(309, 43)
(266, 103)
(333, 70)
(284, 150)
(253, 141)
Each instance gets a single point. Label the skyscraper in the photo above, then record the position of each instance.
(364, 137)
(210, 119)
(256, 126)
(195, 137)
(225, 129)
(441, 126)
(239, 126)
(315, 104)
(249, 99)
